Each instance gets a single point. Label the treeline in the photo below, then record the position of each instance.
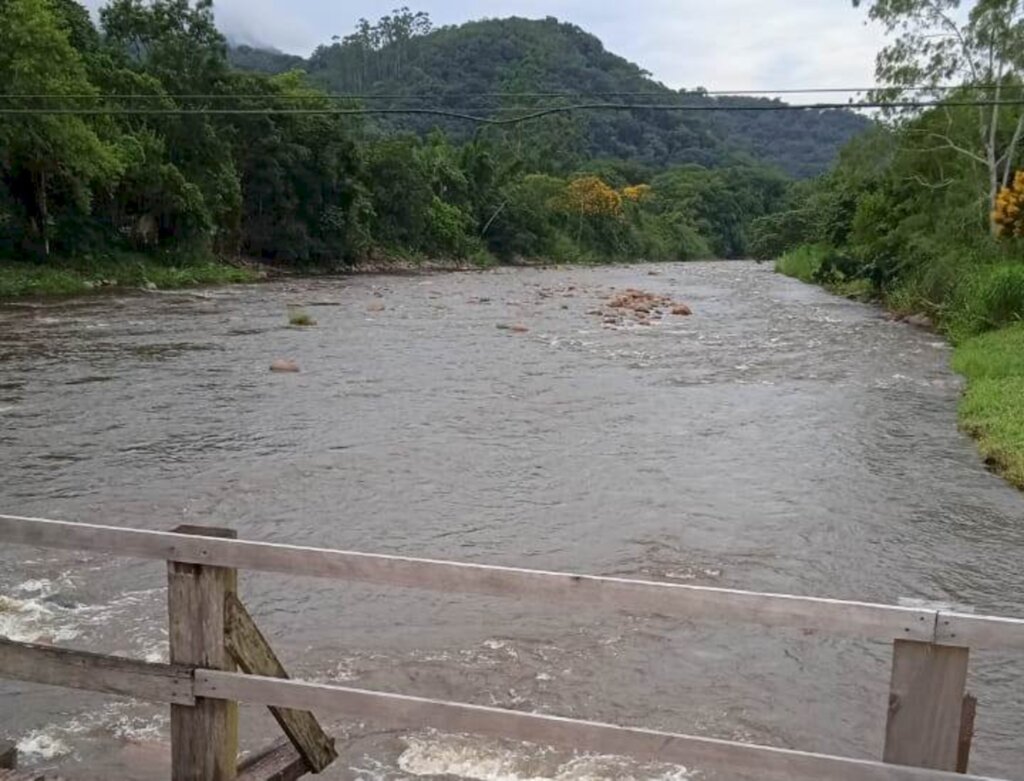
(914, 214)
(493, 63)
(160, 174)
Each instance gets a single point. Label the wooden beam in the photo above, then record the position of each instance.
(204, 737)
(975, 631)
(925, 702)
(882, 622)
(731, 758)
(967, 714)
(254, 655)
(96, 672)
(280, 762)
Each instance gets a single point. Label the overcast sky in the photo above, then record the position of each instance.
(718, 44)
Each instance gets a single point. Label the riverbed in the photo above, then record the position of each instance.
(779, 439)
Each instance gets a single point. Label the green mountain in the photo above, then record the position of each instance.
(484, 67)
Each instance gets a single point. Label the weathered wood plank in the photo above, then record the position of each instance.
(253, 654)
(884, 622)
(8, 755)
(925, 701)
(95, 672)
(967, 714)
(280, 762)
(204, 737)
(693, 752)
(974, 631)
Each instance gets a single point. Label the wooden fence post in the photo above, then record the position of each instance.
(925, 702)
(967, 714)
(8, 756)
(204, 737)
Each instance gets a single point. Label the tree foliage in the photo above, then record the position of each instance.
(331, 189)
(484, 65)
(983, 53)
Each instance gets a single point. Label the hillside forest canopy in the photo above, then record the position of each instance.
(140, 165)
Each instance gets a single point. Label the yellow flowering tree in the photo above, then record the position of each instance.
(589, 196)
(636, 192)
(1008, 214)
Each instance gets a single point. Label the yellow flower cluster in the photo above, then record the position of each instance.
(1008, 214)
(636, 192)
(589, 195)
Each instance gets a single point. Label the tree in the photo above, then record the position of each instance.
(41, 153)
(982, 53)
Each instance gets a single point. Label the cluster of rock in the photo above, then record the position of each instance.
(640, 307)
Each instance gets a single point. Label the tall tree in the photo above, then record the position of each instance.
(40, 153)
(982, 51)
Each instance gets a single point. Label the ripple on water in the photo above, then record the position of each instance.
(432, 754)
(777, 440)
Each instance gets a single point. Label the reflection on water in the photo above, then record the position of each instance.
(779, 440)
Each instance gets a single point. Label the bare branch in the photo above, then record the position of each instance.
(1011, 151)
(920, 180)
(949, 144)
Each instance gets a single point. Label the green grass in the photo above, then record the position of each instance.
(856, 289)
(992, 409)
(301, 318)
(82, 275)
(803, 263)
(986, 298)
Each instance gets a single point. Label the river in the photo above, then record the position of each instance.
(780, 439)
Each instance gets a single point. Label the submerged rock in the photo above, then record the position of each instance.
(284, 365)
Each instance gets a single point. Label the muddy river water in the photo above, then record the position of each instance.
(780, 439)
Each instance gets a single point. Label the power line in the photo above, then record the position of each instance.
(667, 94)
(535, 112)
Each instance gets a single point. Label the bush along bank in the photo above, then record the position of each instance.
(27, 278)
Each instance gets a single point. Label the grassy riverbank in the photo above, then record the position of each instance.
(992, 409)
(81, 275)
(979, 316)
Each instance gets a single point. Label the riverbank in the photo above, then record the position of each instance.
(19, 279)
(992, 408)
(78, 276)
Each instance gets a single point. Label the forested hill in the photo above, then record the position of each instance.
(402, 55)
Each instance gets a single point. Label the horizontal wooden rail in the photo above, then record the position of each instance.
(863, 619)
(171, 683)
(96, 672)
(647, 745)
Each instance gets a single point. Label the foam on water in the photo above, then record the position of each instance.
(440, 755)
(28, 620)
(42, 745)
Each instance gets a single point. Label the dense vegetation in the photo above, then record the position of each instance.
(152, 175)
(480, 65)
(926, 212)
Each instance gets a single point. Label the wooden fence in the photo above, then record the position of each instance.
(219, 658)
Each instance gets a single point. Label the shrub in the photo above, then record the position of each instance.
(988, 298)
(804, 262)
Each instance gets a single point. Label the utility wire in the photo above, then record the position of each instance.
(667, 94)
(537, 113)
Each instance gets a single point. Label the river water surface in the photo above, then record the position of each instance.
(780, 439)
